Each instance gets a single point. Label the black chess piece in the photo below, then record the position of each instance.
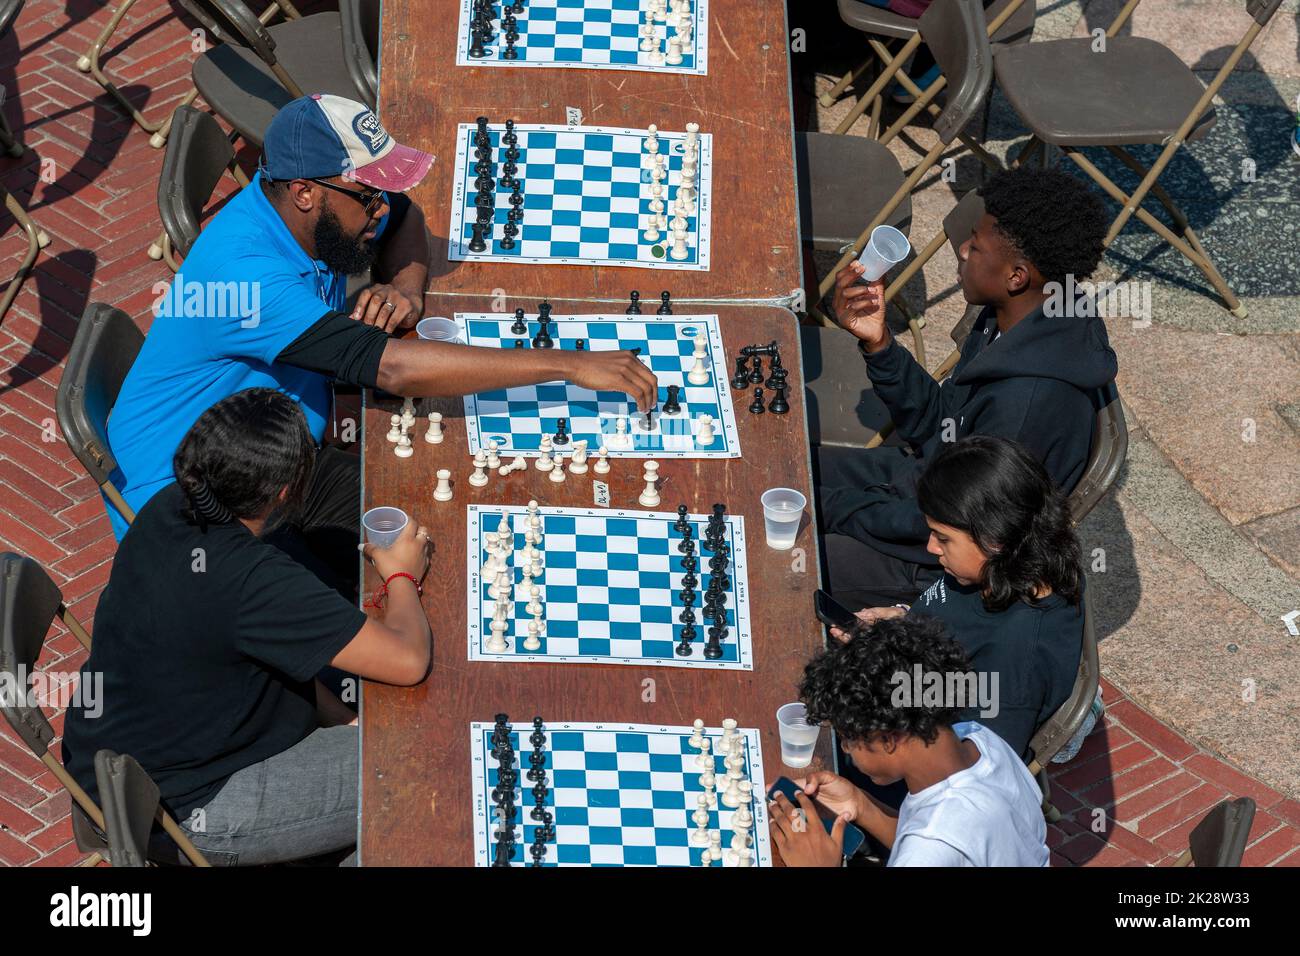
(687, 615)
(690, 563)
(684, 649)
(681, 524)
(510, 53)
(510, 138)
(713, 646)
(779, 404)
(687, 544)
(756, 370)
(635, 307)
(757, 406)
(543, 340)
(485, 199)
(665, 304)
(544, 311)
(671, 405)
(520, 327)
(535, 761)
(580, 345)
(689, 580)
(516, 199)
(509, 231)
(537, 850)
(741, 378)
(476, 243)
(561, 432)
(477, 52)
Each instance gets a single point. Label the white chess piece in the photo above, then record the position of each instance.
(534, 604)
(729, 725)
(479, 478)
(746, 792)
(708, 780)
(704, 435)
(679, 250)
(715, 846)
(408, 413)
(541, 624)
(651, 233)
(652, 141)
(674, 55)
(493, 563)
(656, 57)
(578, 464)
(501, 587)
(531, 643)
(650, 496)
(557, 471)
(536, 567)
(647, 35)
(705, 760)
(533, 509)
(493, 455)
(404, 449)
(620, 438)
(504, 530)
(744, 856)
(697, 738)
(744, 817)
(443, 491)
(434, 435)
(700, 837)
(546, 445)
(544, 463)
(535, 522)
(699, 373)
(731, 796)
(497, 642)
(601, 467)
(395, 429)
(692, 132)
(504, 470)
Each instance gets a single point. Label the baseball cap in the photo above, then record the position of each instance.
(324, 135)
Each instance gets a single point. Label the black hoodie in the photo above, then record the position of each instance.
(1036, 385)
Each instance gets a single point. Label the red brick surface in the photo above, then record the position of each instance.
(100, 214)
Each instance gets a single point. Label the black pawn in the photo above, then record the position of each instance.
(665, 304)
(756, 372)
(686, 545)
(476, 243)
(779, 405)
(510, 138)
(520, 327)
(684, 649)
(741, 378)
(538, 736)
(682, 525)
(757, 406)
(671, 406)
(635, 307)
(561, 432)
(509, 230)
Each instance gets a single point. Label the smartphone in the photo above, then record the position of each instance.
(831, 612)
(853, 835)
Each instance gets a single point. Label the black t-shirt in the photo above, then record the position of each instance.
(1033, 648)
(208, 644)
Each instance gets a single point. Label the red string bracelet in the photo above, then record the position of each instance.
(377, 599)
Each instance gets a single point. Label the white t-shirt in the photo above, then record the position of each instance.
(989, 814)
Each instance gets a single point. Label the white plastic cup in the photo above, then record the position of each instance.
(782, 512)
(798, 737)
(383, 525)
(885, 249)
(437, 329)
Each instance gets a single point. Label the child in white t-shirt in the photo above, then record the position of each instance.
(971, 801)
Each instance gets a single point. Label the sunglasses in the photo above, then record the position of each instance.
(370, 199)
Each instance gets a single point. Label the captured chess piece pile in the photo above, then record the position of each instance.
(485, 183)
(737, 794)
(715, 597)
(503, 796)
(776, 379)
(499, 572)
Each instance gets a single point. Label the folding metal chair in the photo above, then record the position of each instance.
(131, 807)
(198, 154)
(1135, 92)
(360, 22)
(105, 346)
(9, 10)
(955, 32)
(1220, 838)
(1106, 456)
(1057, 730)
(257, 69)
(89, 63)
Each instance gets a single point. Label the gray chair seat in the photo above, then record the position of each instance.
(881, 22)
(1138, 91)
(843, 182)
(235, 82)
(842, 408)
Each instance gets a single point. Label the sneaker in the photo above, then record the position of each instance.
(899, 95)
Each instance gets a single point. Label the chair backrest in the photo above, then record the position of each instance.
(1220, 839)
(230, 21)
(1262, 10)
(198, 153)
(28, 602)
(360, 22)
(129, 799)
(1019, 27)
(1057, 730)
(963, 218)
(955, 32)
(1109, 447)
(9, 10)
(105, 346)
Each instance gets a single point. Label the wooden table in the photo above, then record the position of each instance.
(744, 101)
(415, 760)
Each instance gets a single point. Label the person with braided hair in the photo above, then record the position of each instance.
(1012, 590)
(209, 638)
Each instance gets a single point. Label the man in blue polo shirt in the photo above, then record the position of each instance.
(259, 302)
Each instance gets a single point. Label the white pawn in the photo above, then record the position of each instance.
(536, 567)
(679, 250)
(493, 455)
(731, 796)
(601, 467)
(700, 837)
(443, 491)
(519, 464)
(493, 564)
(534, 606)
(708, 780)
(650, 496)
(652, 141)
(501, 587)
(531, 642)
(647, 38)
(404, 449)
(743, 817)
(705, 760)
(395, 430)
(557, 471)
(479, 478)
(434, 435)
(535, 522)
(715, 846)
(697, 739)
(504, 470)
(746, 793)
(504, 531)
(704, 436)
(533, 508)
(620, 439)
(651, 233)
(537, 619)
(744, 856)
(578, 464)
(408, 413)
(497, 642)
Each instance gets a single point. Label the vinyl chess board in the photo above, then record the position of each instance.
(517, 418)
(610, 589)
(592, 34)
(586, 197)
(621, 794)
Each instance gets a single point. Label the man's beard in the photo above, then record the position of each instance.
(338, 250)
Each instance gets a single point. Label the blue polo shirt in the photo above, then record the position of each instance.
(245, 292)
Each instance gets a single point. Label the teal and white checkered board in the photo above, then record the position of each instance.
(610, 587)
(517, 418)
(621, 795)
(589, 34)
(586, 198)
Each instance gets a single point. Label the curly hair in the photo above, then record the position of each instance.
(998, 493)
(852, 685)
(1052, 218)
